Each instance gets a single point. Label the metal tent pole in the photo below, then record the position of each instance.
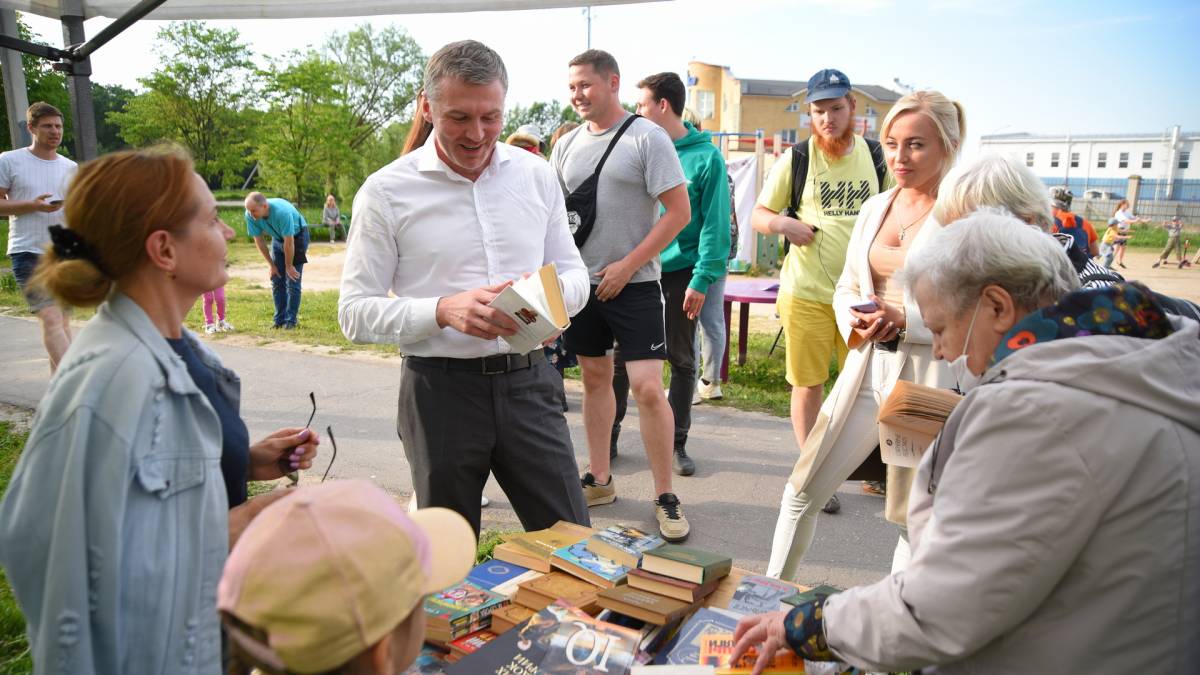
(16, 96)
(79, 82)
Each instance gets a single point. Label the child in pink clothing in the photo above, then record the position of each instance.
(217, 297)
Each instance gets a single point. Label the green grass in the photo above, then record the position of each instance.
(14, 647)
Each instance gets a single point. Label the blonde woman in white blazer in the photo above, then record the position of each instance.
(921, 136)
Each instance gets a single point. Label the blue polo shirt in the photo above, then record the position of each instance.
(283, 220)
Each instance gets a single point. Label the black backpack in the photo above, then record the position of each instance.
(800, 175)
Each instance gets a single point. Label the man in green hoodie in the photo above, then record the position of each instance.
(692, 261)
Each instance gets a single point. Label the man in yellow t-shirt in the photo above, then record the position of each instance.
(841, 176)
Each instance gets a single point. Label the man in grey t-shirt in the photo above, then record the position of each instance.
(33, 182)
(621, 254)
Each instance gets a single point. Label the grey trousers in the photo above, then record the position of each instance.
(458, 426)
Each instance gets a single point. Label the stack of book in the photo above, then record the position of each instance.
(459, 610)
(532, 550)
(468, 644)
(671, 580)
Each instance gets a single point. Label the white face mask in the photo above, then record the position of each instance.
(966, 379)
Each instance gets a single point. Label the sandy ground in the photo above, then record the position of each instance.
(324, 272)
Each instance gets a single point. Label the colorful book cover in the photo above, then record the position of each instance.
(629, 543)
(684, 648)
(492, 573)
(461, 603)
(756, 595)
(577, 554)
(716, 650)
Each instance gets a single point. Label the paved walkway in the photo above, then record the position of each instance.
(742, 458)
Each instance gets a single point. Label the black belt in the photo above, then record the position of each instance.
(484, 365)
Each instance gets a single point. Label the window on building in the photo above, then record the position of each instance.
(1101, 160)
(1123, 161)
(870, 112)
(705, 101)
(1074, 160)
(1029, 159)
(1147, 159)
(788, 135)
(792, 107)
(1185, 157)
(1054, 160)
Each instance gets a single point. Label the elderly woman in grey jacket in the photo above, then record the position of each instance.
(1055, 522)
(120, 513)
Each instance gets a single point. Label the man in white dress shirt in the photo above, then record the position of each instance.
(445, 228)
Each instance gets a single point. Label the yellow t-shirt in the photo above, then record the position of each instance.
(811, 272)
(1110, 235)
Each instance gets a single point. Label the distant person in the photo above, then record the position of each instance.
(438, 234)
(133, 482)
(1070, 223)
(620, 230)
(812, 196)
(526, 137)
(290, 603)
(331, 217)
(215, 322)
(691, 263)
(1109, 242)
(1174, 228)
(1125, 220)
(280, 220)
(33, 184)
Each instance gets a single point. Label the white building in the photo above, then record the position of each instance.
(1166, 162)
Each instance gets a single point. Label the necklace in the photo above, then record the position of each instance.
(904, 228)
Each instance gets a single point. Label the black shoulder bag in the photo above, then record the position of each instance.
(581, 203)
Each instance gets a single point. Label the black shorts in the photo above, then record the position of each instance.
(634, 319)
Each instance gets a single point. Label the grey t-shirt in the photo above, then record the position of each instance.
(642, 166)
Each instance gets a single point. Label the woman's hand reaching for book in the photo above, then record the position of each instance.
(765, 633)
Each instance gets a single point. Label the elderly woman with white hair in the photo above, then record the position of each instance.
(1055, 521)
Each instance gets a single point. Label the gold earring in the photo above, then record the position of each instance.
(171, 275)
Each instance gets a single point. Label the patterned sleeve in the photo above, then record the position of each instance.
(805, 630)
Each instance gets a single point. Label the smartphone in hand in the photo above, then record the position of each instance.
(865, 308)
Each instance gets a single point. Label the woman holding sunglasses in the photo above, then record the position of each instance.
(120, 513)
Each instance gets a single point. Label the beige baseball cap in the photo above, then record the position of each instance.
(322, 575)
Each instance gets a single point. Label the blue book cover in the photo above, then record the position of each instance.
(577, 554)
(492, 573)
(684, 648)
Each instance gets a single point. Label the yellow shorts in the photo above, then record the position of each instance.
(811, 339)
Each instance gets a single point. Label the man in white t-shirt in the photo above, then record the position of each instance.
(33, 183)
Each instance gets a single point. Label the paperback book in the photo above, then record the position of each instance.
(577, 560)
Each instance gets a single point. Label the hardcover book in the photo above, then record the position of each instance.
(808, 596)
(686, 563)
(492, 573)
(684, 648)
(469, 644)
(558, 639)
(672, 588)
(577, 560)
(623, 544)
(538, 593)
(533, 549)
(758, 595)
(644, 605)
(510, 616)
(460, 609)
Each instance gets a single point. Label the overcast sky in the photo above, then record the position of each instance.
(1016, 65)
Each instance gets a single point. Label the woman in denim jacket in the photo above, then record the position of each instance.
(120, 513)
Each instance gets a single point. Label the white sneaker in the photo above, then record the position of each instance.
(484, 501)
(696, 395)
(210, 328)
(225, 326)
(709, 390)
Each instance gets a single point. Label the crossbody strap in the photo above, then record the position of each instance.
(613, 143)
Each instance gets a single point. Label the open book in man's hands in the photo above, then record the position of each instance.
(909, 420)
(536, 304)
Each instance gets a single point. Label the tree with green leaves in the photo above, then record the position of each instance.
(193, 98)
(108, 99)
(306, 132)
(546, 117)
(379, 76)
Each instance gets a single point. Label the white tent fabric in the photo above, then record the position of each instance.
(742, 171)
(291, 9)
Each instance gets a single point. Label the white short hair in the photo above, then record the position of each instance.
(992, 248)
(996, 181)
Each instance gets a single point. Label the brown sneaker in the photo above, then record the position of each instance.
(597, 494)
(672, 526)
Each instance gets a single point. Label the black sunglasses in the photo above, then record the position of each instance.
(293, 476)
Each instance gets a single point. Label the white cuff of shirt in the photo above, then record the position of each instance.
(423, 315)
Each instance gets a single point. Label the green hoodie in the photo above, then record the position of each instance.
(704, 243)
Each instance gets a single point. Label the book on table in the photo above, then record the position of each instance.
(499, 576)
(577, 560)
(717, 648)
(468, 644)
(672, 588)
(759, 595)
(536, 305)
(510, 616)
(430, 661)
(808, 596)
(536, 594)
(684, 648)
(533, 549)
(910, 418)
(686, 563)
(458, 610)
(644, 605)
(623, 544)
(558, 639)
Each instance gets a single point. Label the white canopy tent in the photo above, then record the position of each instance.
(73, 58)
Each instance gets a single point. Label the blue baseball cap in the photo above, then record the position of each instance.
(827, 84)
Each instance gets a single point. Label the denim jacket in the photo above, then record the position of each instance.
(114, 529)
